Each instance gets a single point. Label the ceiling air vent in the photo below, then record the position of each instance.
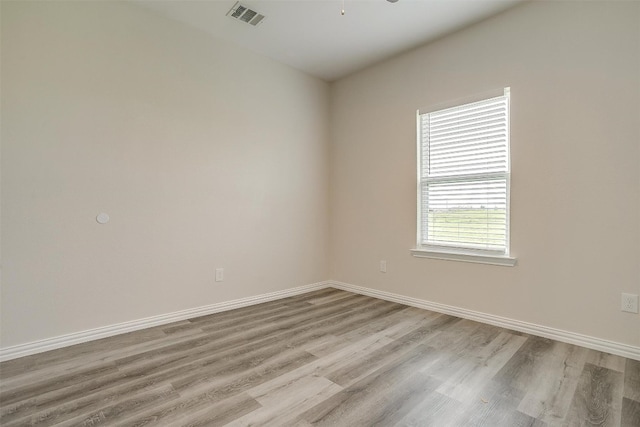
(244, 14)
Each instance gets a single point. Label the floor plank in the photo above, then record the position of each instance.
(549, 395)
(328, 357)
(464, 384)
(632, 380)
(630, 413)
(598, 398)
(369, 401)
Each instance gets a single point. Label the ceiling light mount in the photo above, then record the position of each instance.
(342, 10)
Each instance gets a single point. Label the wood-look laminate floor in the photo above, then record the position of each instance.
(328, 358)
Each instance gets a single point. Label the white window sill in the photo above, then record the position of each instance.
(463, 256)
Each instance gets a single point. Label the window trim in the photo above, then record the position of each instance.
(450, 252)
(464, 256)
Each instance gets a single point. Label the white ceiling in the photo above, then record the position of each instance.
(313, 36)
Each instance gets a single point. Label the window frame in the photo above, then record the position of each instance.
(451, 251)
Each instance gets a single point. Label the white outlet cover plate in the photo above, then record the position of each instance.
(629, 303)
(383, 266)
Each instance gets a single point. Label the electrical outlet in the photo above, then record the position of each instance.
(629, 303)
(383, 266)
(219, 274)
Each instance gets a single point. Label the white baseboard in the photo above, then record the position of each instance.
(47, 344)
(543, 331)
(587, 341)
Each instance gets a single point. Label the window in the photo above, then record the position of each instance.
(463, 182)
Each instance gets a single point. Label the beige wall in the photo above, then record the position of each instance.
(203, 154)
(206, 155)
(574, 73)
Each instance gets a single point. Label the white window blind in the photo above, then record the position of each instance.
(463, 199)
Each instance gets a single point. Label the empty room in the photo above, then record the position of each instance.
(320, 212)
